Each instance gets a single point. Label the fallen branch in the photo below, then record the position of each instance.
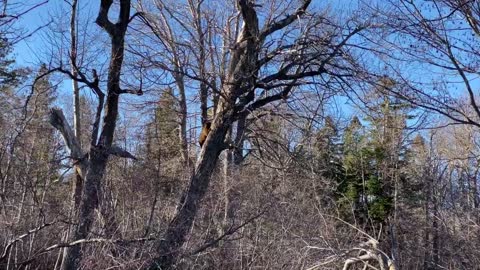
(85, 241)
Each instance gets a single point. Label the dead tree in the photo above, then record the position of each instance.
(91, 165)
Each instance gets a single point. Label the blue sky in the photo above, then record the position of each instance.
(26, 51)
(36, 48)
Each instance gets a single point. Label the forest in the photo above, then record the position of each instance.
(239, 134)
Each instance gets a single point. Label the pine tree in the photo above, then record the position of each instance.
(351, 190)
(40, 132)
(373, 160)
(10, 77)
(163, 129)
(327, 152)
(162, 141)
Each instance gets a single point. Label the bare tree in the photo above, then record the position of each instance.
(92, 164)
(11, 12)
(440, 36)
(255, 63)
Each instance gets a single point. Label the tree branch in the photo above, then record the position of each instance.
(102, 19)
(278, 25)
(58, 121)
(249, 16)
(85, 241)
(120, 152)
(138, 92)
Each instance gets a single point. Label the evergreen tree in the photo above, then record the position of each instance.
(162, 141)
(352, 187)
(327, 151)
(10, 77)
(416, 163)
(40, 133)
(163, 130)
(373, 160)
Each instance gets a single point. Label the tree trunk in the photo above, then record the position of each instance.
(242, 66)
(99, 152)
(202, 60)
(78, 182)
(426, 235)
(178, 229)
(435, 236)
(89, 202)
(227, 174)
(239, 139)
(182, 133)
